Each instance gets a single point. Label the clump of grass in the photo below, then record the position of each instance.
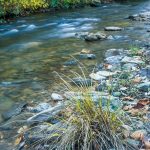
(134, 50)
(87, 125)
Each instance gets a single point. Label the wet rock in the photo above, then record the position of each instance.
(70, 63)
(145, 87)
(114, 59)
(91, 36)
(136, 60)
(116, 94)
(82, 81)
(145, 16)
(145, 72)
(39, 108)
(87, 56)
(46, 114)
(96, 76)
(57, 97)
(113, 28)
(16, 109)
(95, 36)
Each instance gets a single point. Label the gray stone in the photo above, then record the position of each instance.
(96, 76)
(95, 36)
(114, 52)
(130, 66)
(87, 56)
(145, 72)
(134, 143)
(145, 87)
(113, 28)
(14, 110)
(114, 59)
(39, 108)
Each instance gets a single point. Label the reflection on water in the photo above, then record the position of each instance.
(33, 47)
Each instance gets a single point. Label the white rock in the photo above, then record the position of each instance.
(113, 28)
(56, 97)
(96, 76)
(105, 73)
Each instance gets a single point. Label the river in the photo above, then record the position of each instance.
(32, 47)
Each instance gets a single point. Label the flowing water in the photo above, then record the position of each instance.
(31, 48)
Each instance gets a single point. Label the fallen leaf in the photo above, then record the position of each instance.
(138, 106)
(145, 101)
(128, 107)
(19, 139)
(128, 98)
(137, 80)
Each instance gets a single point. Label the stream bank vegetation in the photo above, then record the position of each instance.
(13, 8)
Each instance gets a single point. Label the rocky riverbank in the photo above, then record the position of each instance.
(124, 78)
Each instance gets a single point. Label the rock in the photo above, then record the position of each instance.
(100, 87)
(133, 142)
(96, 76)
(138, 135)
(16, 109)
(82, 82)
(136, 60)
(39, 108)
(115, 52)
(46, 115)
(70, 63)
(145, 16)
(114, 59)
(130, 66)
(145, 87)
(116, 94)
(145, 72)
(86, 51)
(113, 28)
(95, 36)
(91, 36)
(56, 97)
(87, 56)
(106, 73)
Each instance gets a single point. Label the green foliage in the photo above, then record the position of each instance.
(16, 7)
(134, 50)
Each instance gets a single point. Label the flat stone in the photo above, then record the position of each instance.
(40, 107)
(113, 28)
(114, 52)
(106, 73)
(86, 51)
(136, 60)
(114, 59)
(96, 76)
(14, 110)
